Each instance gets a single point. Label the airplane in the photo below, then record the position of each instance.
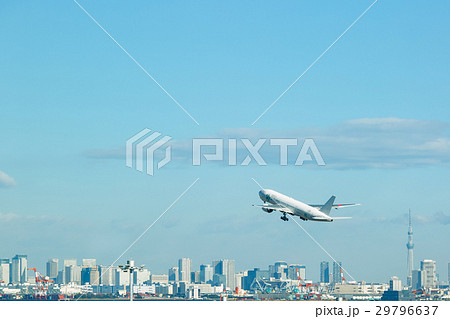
(288, 205)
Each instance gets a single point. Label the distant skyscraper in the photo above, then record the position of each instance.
(417, 279)
(94, 278)
(252, 275)
(280, 270)
(295, 270)
(184, 269)
(107, 275)
(173, 274)
(18, 270)
(225, 267)
(52, 268)
(395, 284)
(4, 270)
(410, 247)
(324, 272)
(122, 278)
(90, 275)
(337, 272)
(72, 274)
(429, 266)
(62, 277)
(206, 273)
(238, 280)
(302, 272)
(140, 277)
(89, 262)
(219, 279)
(69, 262)
(195, 277)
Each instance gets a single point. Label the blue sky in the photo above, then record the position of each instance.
(376, 103)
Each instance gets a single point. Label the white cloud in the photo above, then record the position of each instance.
(6, 180)
(354, 144)
(371, 142)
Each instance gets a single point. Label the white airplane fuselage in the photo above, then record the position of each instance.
(297, 208)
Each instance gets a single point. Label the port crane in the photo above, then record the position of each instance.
(42, 283)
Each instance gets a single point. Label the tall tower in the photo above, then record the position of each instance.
(184, 269)
(410, 247)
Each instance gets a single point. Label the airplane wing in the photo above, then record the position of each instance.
(276, 207)
(344, 205)
(319, 219)
(336, 206)
(326, 219)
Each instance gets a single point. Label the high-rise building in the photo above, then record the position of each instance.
(76, 274)
(89, 262)
(206, 273)
(417, 279)
(252, 275)
(410, 247)
(295, 271)
(324, 272)
(107, 275)
(94, 276)
(141, 277)
(225, 267)
(18, 270)
(219, 279)
(173, 274)
(62, 277)
(184, 269)
(271, 271)
(195, 277)
(69, 262)
(395, 284)
(429, 267)
(52, 268)
(90, 275)
(280, 269)
(72, 274)
(4, 270)
(337, 272)
(122, 278)
(238, 280)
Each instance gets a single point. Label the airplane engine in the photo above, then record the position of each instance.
(267, 210)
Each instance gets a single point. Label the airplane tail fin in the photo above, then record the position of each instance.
(326, 208)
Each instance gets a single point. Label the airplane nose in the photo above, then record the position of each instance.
(262, 195)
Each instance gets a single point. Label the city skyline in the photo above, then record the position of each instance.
(18, 267)
(219, 279)
(442, 268)
(375, 105)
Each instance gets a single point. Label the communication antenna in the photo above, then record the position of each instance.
(130, 267)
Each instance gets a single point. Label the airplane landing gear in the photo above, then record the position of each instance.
(284, 217)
